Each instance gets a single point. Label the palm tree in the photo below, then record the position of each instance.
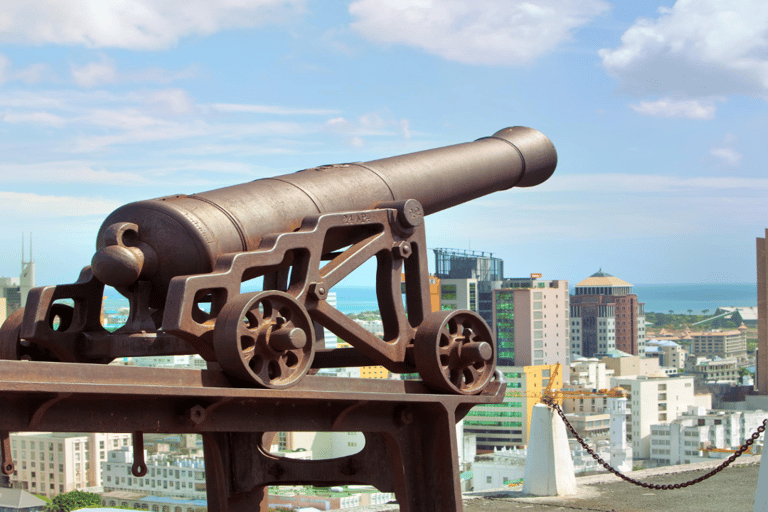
(690, 311)
(671, 311)
(704, 311)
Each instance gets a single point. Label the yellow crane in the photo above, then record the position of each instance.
(549, 395)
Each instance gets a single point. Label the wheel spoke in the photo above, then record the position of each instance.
(440, 343)
(247, 353)
(242, 333)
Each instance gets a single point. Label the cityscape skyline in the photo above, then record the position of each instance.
(657, 110)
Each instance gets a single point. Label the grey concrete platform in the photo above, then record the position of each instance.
(731, 490)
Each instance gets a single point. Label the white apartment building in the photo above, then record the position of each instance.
(699, 435)
(167, 475)
(52, 463)
(653, 400)
(671, 356)
(501, 468)
(590, 373)
(715, 370)
(723, 344)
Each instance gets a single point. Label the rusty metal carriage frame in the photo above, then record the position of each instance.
(263, 347)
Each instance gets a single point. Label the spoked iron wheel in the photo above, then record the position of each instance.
(454, 352)
(266, 338)
(13, 348)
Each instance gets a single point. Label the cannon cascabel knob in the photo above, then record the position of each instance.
(117, 265)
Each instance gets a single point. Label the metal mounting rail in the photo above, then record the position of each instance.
(410, 448)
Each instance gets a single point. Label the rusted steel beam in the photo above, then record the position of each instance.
(411, 445)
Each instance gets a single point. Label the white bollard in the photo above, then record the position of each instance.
(761, 495)
(548, 466)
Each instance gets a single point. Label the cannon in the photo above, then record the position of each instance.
(185, 261)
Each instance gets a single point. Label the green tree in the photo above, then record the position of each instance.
(704, 311)
(671, 311)
(690, 311)
(73, 500)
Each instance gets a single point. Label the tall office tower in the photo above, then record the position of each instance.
(27, 276)
(467, 280)
(606, 316)
(530, 319)
(14, 290)
(761, 357)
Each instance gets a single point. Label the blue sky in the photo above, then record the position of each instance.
(657, 110)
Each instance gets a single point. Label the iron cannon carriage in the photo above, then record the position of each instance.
(184, 262)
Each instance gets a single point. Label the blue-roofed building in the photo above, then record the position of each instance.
(671, 356)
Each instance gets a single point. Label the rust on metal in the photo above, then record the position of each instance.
(183, 262)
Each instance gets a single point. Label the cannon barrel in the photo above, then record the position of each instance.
(162, 238)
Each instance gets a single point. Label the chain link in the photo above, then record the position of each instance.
(747, 444)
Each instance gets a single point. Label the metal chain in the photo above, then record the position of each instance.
(550, 402)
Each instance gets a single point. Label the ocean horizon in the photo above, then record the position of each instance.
(658, 298)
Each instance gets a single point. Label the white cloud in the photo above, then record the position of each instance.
(94, 73)
(405, 126)
(700, 48)
(104, 72)
(125, 119)
(65, 172)
(487, 32)
(24, 205)
(5, 63)
(649, 183)
(40, 118)
(134, 24)
(666, 107)
(725, 151)
(270, 109)
(32, 74)
(728, 155)
(175, 101)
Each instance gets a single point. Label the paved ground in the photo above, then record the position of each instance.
(731, 490)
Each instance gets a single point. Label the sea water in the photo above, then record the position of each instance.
(658, 298)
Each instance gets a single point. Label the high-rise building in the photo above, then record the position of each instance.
(15, 289)
(761, 357)
(52, 463)
(606, 316)
(467, 280)
(530, 320)
(507, 425)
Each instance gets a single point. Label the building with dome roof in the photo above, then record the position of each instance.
(606, 316)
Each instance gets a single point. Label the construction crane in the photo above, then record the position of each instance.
(549, 395)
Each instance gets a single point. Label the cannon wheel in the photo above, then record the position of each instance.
(266, 338)
(13, 348)
(454, 352)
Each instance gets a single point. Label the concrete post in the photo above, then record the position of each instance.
(548, 466)
(761, 495)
